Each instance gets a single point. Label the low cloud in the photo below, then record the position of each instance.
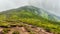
(52, 6)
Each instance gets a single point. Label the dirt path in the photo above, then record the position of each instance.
(27, 29)
(21, 30)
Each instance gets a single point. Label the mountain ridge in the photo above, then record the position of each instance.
(39, 12)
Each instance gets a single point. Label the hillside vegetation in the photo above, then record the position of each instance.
(16, 16)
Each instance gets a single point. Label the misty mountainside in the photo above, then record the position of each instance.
(37, 11)
(30, 15)
(41, 12)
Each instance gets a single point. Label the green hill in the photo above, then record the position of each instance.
(30, 15)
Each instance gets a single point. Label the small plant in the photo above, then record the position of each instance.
(31, 32)
(15, 32)
(5, 30)
(48, 30)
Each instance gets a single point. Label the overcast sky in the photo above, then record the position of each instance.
(9, 4)
(52, 6)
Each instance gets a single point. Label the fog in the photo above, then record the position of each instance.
(52, 6)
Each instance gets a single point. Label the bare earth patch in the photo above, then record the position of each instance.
(27, 29)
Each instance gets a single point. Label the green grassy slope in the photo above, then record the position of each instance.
(14, 17)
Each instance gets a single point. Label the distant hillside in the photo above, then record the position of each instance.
(30, 15)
